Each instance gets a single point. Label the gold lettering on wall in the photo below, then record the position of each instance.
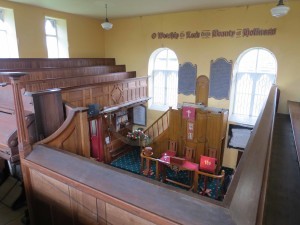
(216, 33)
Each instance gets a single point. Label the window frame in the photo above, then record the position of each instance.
(167, 73)
(61, 37)
(9, 30)
(255, 77)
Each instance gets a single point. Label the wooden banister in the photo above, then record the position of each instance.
(158, 126)
(252, 171)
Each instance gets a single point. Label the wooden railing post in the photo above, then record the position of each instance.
(23, 137)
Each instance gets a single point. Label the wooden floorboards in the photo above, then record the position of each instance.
(283, 192)
(294, 110)
(9, 216)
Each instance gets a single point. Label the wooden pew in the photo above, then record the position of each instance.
(71, 82)
(107, 94)
(62, 187)
(53, 73)
(294, 111)
(14, 64)
(108, 85)
(8, 126)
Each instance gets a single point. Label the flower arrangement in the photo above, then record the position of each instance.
(137, 135)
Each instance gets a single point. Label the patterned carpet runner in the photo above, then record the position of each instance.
(131, 161)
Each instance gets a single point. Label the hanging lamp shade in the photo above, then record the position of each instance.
(280, 10)
(106, 25)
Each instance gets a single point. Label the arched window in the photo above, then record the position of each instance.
(8, 38)
(163, 82)
(254, 73)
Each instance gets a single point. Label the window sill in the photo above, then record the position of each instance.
(242, 119)
(158, 107)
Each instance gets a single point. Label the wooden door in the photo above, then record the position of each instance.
(96, 139)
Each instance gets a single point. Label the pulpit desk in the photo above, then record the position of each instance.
(147, 171)
(177, 164)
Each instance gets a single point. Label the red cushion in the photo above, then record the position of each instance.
(169, 153)
(208, 164)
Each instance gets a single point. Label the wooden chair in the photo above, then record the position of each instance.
(207, 169)
(189, 154)
(178, 164)
(172, 149)
(205, 191)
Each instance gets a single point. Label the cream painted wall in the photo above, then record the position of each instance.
(85, 35)
(131, 44)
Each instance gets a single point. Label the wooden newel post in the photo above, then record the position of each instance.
(23, 137)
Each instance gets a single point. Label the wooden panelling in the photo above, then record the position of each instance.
(68, 82)
(73, 135)
(101, 211)
(48, 188)
(128, 200)
(208, 132)
(215, 136)
(214, 129)
(116, 215)
(175, 124)
(200, 133)
(201, 125)
(35, 63)
(48, 112)
(59, 73)
(84, 207)
(106, 94)
(202, 90)
(132, 200)
(160, 145)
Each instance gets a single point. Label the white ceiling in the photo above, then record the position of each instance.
(129, 8)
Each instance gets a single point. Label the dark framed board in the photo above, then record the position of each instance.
(220, 78)
(140, 115)
(238, 136)
(187, 74)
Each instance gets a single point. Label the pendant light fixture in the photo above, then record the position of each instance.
(106, 25)
(280, 10)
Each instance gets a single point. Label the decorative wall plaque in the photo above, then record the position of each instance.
(220, 78)
(140, 115)
(187, 78)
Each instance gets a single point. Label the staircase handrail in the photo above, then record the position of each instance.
(155, 124)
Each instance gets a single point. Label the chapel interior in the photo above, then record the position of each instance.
(177, 117)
